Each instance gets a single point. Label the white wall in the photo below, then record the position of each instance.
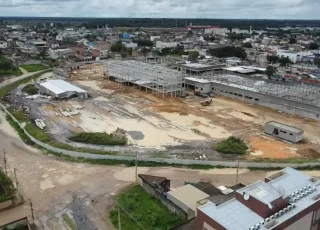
(303, 223)
(162, 45)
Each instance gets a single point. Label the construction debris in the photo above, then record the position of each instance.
(40, 123)
(206, 102)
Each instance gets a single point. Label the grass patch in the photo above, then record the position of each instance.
(149, 212)
(69, 222)
(34, 67)
(7, 189)
(9, 88)
(98, 139)
(232, 145)
(30, 89)
(12, 72)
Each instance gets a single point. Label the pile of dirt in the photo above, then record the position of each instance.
(309, 153)
(169, 108)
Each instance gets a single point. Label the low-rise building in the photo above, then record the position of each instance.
(62, 89)
(162, 45)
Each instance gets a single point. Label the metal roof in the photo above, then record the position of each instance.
(60, 86)
(284, 127)
(232, 214)
(261, 191)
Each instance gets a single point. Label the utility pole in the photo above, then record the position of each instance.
(31, 207)
(136, 167)
(17, 184)
(237, 170)
(5, 162)
(119, 219)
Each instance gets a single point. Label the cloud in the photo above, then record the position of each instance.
(282, 9)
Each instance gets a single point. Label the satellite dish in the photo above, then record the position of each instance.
(246, 196)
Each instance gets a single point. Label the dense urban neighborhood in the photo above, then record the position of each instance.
(156, 124)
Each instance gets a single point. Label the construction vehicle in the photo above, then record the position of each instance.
(206, 102)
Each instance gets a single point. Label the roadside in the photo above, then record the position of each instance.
(23, 70)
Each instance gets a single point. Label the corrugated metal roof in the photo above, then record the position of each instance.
(60, 86)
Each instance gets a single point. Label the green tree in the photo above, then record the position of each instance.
(284, 61)
(145, 51)
(247, 45)
(313, 46)
(193, 55)
(272, 59)
(118, 47)
(270, 71)
(293, 41)
(317, 62)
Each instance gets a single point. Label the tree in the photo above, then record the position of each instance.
(313, 46)
(193, 55)
(145, 51)
(144, 42)
(270, 70)
(293, 41)
(317, 62)
(247, 45)
(284, 61)
(228, 51)
(272, 59)
(118, 47)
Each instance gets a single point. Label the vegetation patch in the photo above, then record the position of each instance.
(30, 89)
(145, 209)
(71, 224)
(34, 67)
(7, 67)
(99, 138)
(7, 189)
(232, 145)
(5, 90)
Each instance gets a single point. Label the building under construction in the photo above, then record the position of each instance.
(155, 77)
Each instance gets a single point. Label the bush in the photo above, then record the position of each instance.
(30, 89)
(232, 145)
(98, 139)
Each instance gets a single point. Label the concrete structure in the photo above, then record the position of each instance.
(60, 53)
(161, 45)
(157, 78)
(198, 68)
(199, 85)
(283, 131)
(187, 198)
(62, 89)
(288, 199)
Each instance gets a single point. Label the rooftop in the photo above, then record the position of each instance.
(189, 195)
(301, 190)
(285, 127)
(60, 86)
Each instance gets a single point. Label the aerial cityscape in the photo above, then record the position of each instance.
(169, 115)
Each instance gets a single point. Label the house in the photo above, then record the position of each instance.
(162, 45)
(286, 132)
(288, 199)
(187, 198)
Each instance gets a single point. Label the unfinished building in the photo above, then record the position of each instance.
(157, 78)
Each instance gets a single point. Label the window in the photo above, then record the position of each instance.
(283, 131)
(291, 134)
(256, 99)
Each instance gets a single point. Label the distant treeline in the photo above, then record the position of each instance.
(162, 22)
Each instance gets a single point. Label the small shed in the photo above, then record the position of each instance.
(283, 131)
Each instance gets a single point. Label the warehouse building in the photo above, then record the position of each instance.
(62, 89)
(283, 131)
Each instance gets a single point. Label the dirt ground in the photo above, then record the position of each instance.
(85, 192)
(225, 116)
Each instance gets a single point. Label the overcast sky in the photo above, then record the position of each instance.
(257, 9)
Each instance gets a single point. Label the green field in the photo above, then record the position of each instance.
(34, 67)
(145, 209)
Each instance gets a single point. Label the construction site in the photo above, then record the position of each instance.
(162, 118)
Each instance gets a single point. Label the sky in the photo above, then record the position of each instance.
(233, 9)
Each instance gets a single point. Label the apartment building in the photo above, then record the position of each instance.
(288, 200)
